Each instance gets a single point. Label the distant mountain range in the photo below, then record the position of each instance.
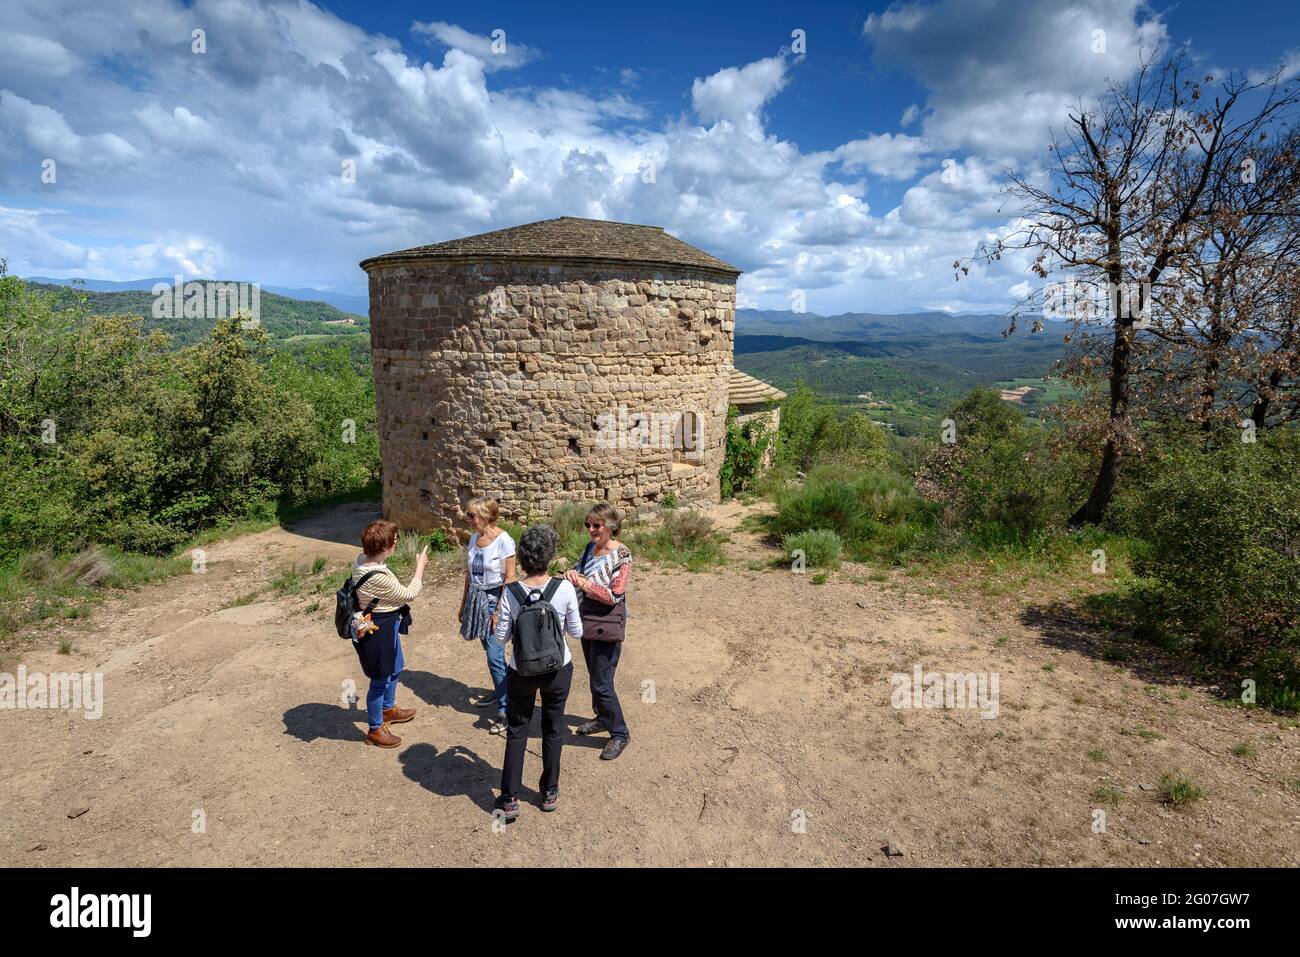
(859, 326)
(902, 369)
(355, 305)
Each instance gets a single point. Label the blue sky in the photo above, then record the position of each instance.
(819, 172)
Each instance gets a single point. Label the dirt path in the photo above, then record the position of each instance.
(755, 698)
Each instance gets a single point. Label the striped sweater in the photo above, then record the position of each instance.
(606, 575)
(385, 586)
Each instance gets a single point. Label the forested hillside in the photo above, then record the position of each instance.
(902, 370)
(281, 317)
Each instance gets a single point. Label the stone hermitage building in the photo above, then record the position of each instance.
(563, 360)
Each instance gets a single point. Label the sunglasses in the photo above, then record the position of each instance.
(595, 526)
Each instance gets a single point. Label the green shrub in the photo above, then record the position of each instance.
(1218, 520)
(813, 431)
(570, 518)
(440, 541)
(685, 537)
(1176, 792)
(874, 514)
(109, 435)
(999, 482)
(746, 446)
(821, 547)
(832, 505)
(805, 424)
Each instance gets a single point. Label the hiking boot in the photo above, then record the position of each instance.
(550, 799)
(508, 806)
(613, 748)
(381, 737)
(396, 715)
(589, 727)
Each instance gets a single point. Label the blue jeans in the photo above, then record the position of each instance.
(496, 656)
(381, 696)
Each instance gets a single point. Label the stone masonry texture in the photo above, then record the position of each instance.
(594, 374)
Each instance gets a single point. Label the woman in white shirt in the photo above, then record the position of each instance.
(536, 549)
(491, 566)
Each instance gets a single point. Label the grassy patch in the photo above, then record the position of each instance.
(239, 601)
(685, 538)
(1108, 794)
(41, 586)
(1176, 792)
(821, 547)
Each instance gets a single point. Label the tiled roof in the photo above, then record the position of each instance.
(746, 390)
(568, 238)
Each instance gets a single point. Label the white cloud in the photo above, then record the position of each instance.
(231, 162)
(892, 155)
(496, 52)
(1002, 71)
(179, 130)
(46, 131)
(23, 53)
(737, 94)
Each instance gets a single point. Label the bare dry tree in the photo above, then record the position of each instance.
(1129, 200)
(1226, 327)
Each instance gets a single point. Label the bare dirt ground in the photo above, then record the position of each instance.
(771, 702)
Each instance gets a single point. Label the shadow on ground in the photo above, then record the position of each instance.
(313, 721)
(1065, 626)
(342, 524)
(450, 772)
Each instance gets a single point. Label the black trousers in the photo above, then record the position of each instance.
(602, 658)
(521, 695)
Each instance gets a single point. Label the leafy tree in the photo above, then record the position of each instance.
(1140, 184)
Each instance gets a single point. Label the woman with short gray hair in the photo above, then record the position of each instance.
(537, 588)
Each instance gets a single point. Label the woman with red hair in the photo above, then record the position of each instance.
(380, 650)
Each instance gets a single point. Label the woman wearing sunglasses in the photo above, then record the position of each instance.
(601, 580)
(491, 566)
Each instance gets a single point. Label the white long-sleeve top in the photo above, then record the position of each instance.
(564, 601)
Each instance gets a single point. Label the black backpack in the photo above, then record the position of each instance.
(537, 632)
(346, 605)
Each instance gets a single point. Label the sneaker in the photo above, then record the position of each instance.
(497, 725)
(509, 808)
(484, 700)
(613, 748)
(589, 727)
(550, 799)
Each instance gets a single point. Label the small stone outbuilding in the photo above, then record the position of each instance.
(563, 360)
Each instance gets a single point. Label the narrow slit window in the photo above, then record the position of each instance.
(688, 439)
